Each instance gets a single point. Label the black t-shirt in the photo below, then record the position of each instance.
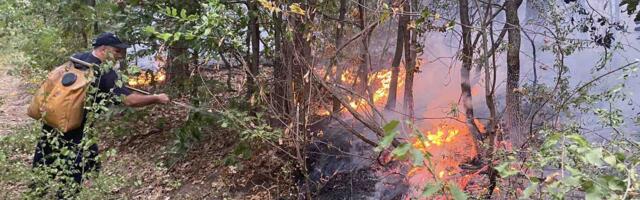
(105, 82)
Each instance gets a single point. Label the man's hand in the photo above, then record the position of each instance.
(163, 98)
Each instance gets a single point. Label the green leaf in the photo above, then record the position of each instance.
(505, 170)
(594, 156)
(176, 36)
(401, 150)
(189, 36)
(386, 140)
(551, 141)
(578, 139)
(174, 12)
(431, 189)
(620, 156)
(611, 160)
(149, 30)
(571, 180)
(390, 126)
(133, 69)
(573, 171)
(615, 183)
(183, 13)
(592, 190)
(418, 157)
(456, 192)
(165, 36)
(529, 191)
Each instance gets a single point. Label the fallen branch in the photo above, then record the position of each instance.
(371, 126)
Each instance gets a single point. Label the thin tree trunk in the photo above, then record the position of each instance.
(488, 69)
(514, 123)
(254, 37)
(395, 65)
(178, 58)
(339, 68)
(178, 65)
(279, 68)
(300, 87)
(488, 153)
(409, 39)
(92, 3)
(363, 71)
(465, 70)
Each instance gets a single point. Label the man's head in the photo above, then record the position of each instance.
(108, 47)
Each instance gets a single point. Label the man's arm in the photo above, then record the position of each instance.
(140, 100)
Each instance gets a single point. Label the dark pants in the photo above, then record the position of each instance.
(50, 149)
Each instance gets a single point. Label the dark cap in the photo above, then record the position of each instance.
(109, 39)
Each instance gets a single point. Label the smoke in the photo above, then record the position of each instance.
(437, 102)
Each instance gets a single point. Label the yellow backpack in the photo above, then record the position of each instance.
(59, 101)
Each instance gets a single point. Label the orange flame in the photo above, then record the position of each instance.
(379, 83)
(441, 136)
(146, 78)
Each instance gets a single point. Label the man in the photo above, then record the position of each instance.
(53, 148)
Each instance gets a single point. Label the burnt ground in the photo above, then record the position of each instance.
(344, 167)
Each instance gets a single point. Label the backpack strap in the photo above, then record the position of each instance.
(90, 66)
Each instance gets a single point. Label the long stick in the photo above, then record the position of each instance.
(142, 91)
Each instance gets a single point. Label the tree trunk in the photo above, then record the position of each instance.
(92, 3)
(280, 68)
(254, 37)
(514, 123)
(395, 65)
(339, 68)
(178, 58)
(363, 69)
(300, 86)
(465, 70)
(490, 83)
(178, 65)
(410, 38)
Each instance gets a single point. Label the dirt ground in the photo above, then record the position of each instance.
(14, 101)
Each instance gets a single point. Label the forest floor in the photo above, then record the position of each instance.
(14, 101)
(143, 164)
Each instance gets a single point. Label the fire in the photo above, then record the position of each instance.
(146, 78)
(379, 83)
(348, 77)
(450, 144)
(442, 135)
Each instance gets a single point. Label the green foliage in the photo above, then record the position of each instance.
(16, 151)
(632, 6)
(250, 127)
(390, 134)
(49, 31)
(598, 171)
(190, 133)
(505, 170)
